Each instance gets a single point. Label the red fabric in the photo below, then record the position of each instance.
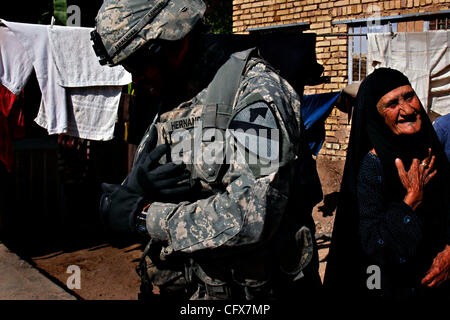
(11, 126)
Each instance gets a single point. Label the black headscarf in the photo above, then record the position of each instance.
(345, 266)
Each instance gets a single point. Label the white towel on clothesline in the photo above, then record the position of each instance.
(79, 97)
(76, 62)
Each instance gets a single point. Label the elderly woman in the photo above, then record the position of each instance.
(392, 221)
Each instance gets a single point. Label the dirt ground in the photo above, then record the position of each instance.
(108, 268)
(330, 173)
(107, 272)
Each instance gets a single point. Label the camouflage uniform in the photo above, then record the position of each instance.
(259, 225)
(248, 232)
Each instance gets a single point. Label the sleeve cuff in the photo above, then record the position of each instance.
(157, 215)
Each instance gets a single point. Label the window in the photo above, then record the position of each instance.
(358, 29)
(437, 24)
(357, 48)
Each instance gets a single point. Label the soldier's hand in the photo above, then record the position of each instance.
(166, 181)
(159, 182)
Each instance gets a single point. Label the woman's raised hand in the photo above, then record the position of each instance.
(415, 179)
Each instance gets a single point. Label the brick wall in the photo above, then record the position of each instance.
(331, 50)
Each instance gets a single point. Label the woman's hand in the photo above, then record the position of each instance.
(415, 179)
(439, 271)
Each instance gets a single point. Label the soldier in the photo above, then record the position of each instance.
(223, 183)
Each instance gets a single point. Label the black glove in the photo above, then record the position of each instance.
(119, 207)
(157, 182)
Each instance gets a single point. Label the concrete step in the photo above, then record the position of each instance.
(21, 281)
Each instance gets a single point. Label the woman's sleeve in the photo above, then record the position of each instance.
(390, 231)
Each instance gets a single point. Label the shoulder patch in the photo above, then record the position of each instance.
(255, 115)
(255, 128)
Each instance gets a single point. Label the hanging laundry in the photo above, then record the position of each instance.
(7, 99)
(424, 57)
(15, 65)
(79, 96)
(315, 109)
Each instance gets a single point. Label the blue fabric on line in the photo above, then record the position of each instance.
(315, 109)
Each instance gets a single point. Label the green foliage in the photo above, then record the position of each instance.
(56, 8)
(60, 11)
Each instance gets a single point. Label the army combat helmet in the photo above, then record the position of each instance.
(124, 26)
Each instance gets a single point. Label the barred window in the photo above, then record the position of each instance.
(357, 55)
(442, 23)
(357, 48)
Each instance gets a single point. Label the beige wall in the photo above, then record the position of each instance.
(331, 50)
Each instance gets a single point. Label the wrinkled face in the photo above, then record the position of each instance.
(400, 109)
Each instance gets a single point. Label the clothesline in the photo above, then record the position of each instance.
(79, 96)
